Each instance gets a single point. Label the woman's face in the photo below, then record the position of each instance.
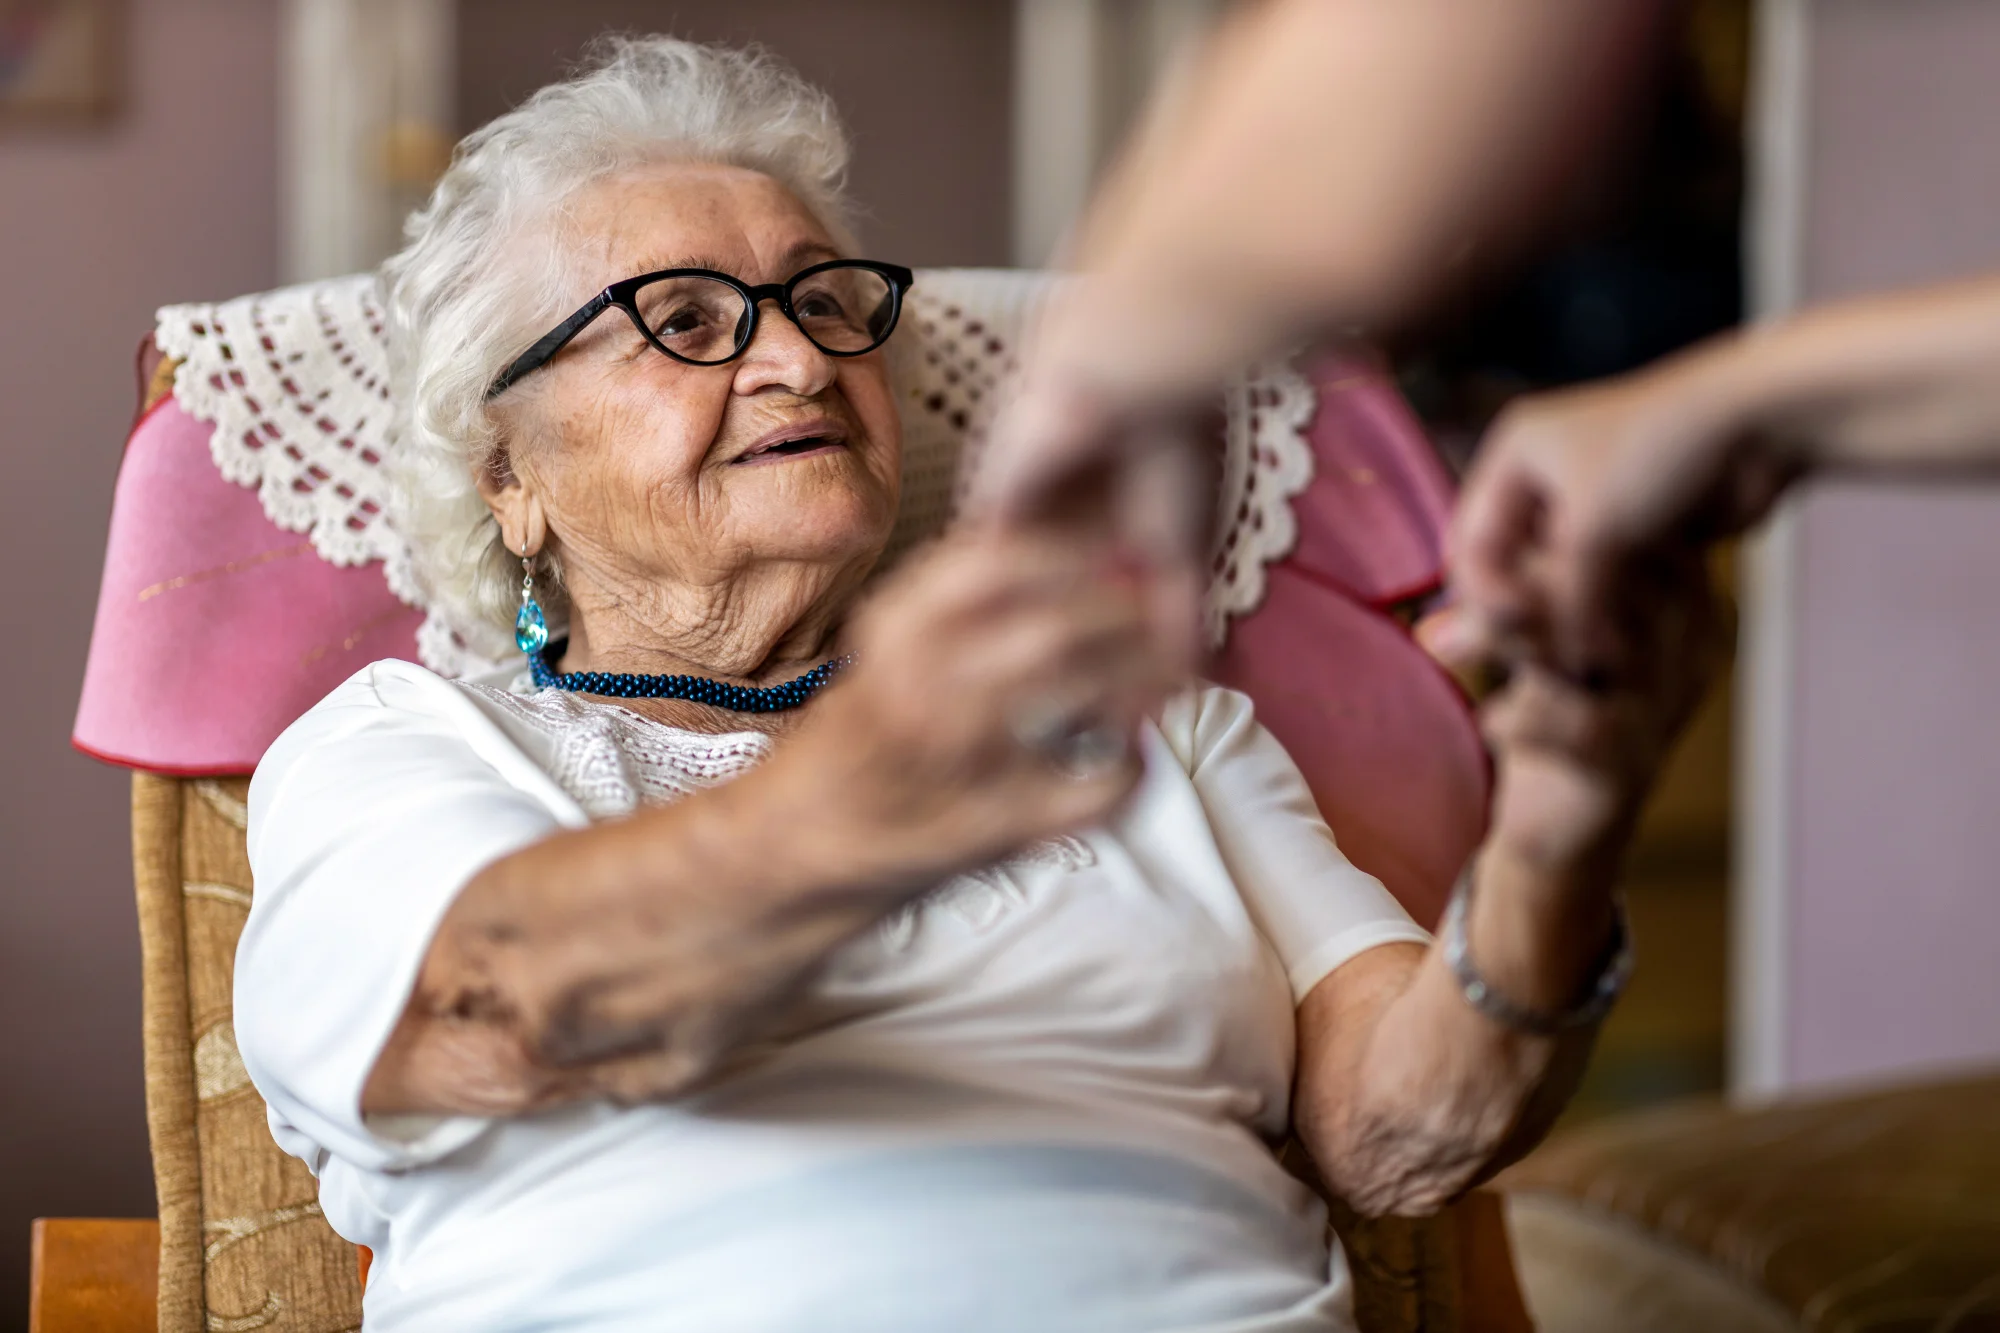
(659, 481)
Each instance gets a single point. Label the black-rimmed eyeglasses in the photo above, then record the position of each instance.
(846, 307)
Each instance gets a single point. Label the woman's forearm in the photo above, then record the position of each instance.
(630, 958)
(1407, 1094)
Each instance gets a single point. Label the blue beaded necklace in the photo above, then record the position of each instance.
(698, 689)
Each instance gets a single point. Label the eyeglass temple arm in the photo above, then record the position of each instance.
(550, 343)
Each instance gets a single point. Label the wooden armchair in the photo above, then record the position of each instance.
(217, 626)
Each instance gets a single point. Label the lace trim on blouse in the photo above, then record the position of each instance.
(613, 760)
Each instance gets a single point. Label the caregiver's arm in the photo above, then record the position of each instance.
(628, 959)
(1407, 1094)
(1326, 163)
(1571, 485)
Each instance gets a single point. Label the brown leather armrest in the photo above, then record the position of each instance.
(94, 1275)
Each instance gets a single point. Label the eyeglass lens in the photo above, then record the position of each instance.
(843, 310)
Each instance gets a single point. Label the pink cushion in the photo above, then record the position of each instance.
(1383, 736)
(1373, 520)
(215, 627)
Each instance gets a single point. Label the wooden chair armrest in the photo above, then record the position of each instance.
(1451, 1273)
(94, 1275)
(1488, 1277)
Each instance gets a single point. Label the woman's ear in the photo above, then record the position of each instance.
(516, 503)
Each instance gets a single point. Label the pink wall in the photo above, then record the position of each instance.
(174, 200)
(1894, 811)
(1896, 907)
(1903, 164)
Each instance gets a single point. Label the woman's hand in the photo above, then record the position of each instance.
(968, 656)
(1574, 759)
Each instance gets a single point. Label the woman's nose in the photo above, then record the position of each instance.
(781, 356)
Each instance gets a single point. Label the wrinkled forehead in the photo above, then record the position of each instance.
(690, 215)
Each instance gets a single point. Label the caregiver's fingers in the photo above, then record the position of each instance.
(1046, 434)
(1464, 657)
(1141, 489)
(1499, 556)
(1082, 636)
(1536, 572)
(1497, 524)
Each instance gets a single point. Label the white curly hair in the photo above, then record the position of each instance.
(457, 316)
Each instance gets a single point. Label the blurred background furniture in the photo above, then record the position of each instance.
(1874, 1212)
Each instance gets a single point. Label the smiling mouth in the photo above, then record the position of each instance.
(802, 447)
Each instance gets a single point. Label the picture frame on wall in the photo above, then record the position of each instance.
(60, 61)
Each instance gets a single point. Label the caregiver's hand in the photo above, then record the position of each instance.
(1572, 488)
(947, 744)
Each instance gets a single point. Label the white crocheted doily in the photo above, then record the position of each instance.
(296, 383)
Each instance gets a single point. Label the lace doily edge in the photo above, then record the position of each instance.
(194, 388)
(227, 409)
(1292, 470)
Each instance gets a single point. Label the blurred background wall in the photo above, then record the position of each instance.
(926, 90)
(173, 197)
(1866, 895)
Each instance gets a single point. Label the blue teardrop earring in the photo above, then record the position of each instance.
(531, 628)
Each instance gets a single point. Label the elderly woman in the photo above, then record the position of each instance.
(656, 986)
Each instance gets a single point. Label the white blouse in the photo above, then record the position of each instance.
(1038, 1099)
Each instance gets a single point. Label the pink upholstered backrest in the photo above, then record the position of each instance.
(1383, 736)
(216, 628)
